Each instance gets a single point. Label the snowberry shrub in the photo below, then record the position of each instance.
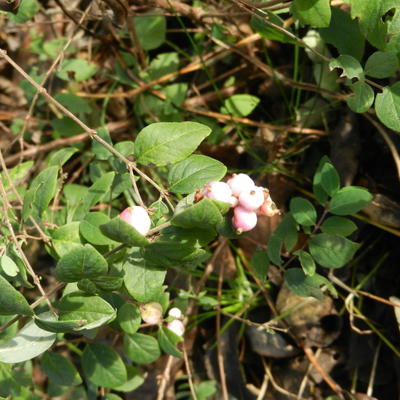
(113, 267)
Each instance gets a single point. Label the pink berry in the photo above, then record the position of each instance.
(253, 199)
(240, 183)
(151, 313)
(243, 220)
(218, 191)
(138, 218)
(177, 327)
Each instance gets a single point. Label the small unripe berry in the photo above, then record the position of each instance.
(243, 220)
(138, 218)
(253, 199)
(151, 313)
(177, 327)
(268, 208)
(175, 313)
(240, 183)
(218, 191)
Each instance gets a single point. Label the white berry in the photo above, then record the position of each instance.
(175, 313)
(218, 191)
(177, 327)
(253, 199)
(151, 313)
(240, 183)
(138, 218)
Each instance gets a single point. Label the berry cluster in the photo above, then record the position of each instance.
(246, 199)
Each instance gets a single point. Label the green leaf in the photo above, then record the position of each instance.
(240, 105)
(140, 348)
(134, 380)
(193, 173)
(326, 180)
(97, 191)
(81, 68)
(60, 370)
(303, 211)
(129, 318)
(26, 10)
(120, 231)
(89, 229)
(59, 326)
(150, 31)
(363, 97)
(77, 105)
(338, 226)
(270, 32)
(341, 28)
(162, 64)
(205, 389)
(204, 214)
(370, 15)
(382, 64)
(287, 232)
(303, 285)
(8, 265)
(142, 283)
(332, 251)
(81, 262)
(260, 263)
(28, 343)
(274, 249)
(164, 143)
(316, 13)
(103, 366)
(93, 311)
(61, 156)
(168, 341)
(102, 152)
(349, 200)
(41, 191)
(66, 238)
(350, 66)
(387, 106)
(307, 262)
(11, 301)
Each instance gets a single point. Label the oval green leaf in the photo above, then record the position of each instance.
(129, 318)
(307, 262)
(122, 232)
(349, 200)
(303, 211)
(168, 341)
(82, 262)
(363, 97)
(204, 214)
(140, 348)
(381, 64)
(11, 301)
(387, 106)
(103, 366)
(60, 370)
(303, 285)
(193, 173)
(332, 251)
(92, 311)
(338, 226)
(28, 343)
(164, 143)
